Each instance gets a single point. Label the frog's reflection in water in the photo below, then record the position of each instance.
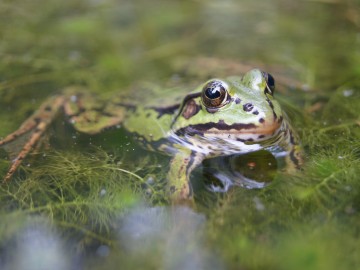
(252, 170)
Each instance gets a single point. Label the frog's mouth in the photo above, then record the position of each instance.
(222, 129)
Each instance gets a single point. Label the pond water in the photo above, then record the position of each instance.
(97, 202)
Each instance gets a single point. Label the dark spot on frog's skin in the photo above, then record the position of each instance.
(261, 120)
(280, 119)
(190, 109)
(48, 108)
(165, 110)
(255, 112)
(107, 114)
(261, 137)
(237, 100)
(292, 139)
(270, 103)
(272, 107)
(248, 107)
(148, 115)
(247, 141)
(190, 131)
(37, 120)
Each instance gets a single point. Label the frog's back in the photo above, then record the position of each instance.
(150, 110)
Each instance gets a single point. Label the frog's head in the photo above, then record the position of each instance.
(239, 108)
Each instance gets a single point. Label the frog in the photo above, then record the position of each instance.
(219, 117)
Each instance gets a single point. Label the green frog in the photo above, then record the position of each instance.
(221, 117)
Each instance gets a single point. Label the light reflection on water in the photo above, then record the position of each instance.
(36, 248)
(175, 233)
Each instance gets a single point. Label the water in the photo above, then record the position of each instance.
(97, 202)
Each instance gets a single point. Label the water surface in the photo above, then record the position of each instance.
(97, 202)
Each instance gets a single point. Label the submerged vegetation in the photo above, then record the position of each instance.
(86, 195)
(74, 191)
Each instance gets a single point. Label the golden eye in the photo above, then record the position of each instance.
(214, 94)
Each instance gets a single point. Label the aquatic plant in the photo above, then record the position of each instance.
(74, 191)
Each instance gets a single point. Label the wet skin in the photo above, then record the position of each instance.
(236, 115)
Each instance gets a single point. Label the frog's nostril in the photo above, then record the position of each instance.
(248, 107)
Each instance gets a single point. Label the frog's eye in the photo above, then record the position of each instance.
(214, 94)
(270, 83)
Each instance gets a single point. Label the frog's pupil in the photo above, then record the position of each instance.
(212, 93)
(213, 90)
